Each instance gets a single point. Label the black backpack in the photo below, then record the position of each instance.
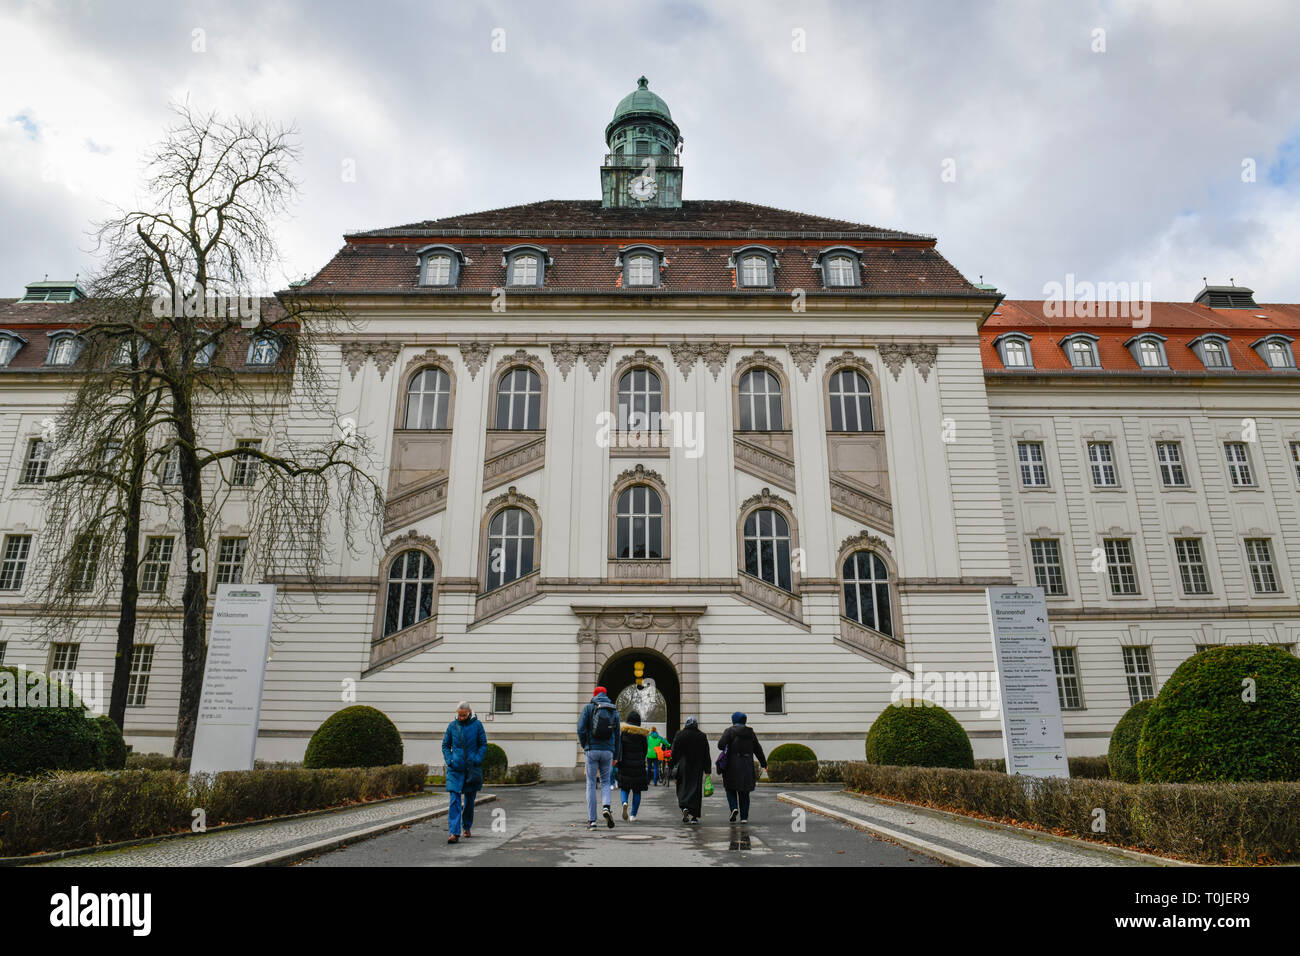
(604, 721)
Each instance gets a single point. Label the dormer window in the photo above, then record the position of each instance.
(64, 349)
(525, 265)
(9, 346)
(1014, 349)
(640, 266)
(264, 350)
(1148, 351)
(755, 267)
(1212, 350)
(440, 265)
(130, 351)
(1081, 349)
(203, 357)
(839, 268)
(1275, 350)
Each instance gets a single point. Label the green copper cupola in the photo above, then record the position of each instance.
(643, 166)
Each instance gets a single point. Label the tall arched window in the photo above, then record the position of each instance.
(510, 546)
(850, 402)
(760, 401)
(427, 399)
(639, 523)
(866, 591)
(640, 399)
(767, 547)
(519, 400)
(410, 591)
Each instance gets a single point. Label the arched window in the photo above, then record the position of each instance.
(63, 349)
(850, 402)
(519, 400)
(767, 547)
(427, 399)
(640, 269)
(639, 523)
(510, 546)
(523, 269)
(1216, 356)
(264, 350)
(410, 591)
(753, 271)
(839, 271)
(760, 401)
(866, 591)
(640, 400)
(1015, 354)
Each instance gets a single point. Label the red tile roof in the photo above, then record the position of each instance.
(1178, 322)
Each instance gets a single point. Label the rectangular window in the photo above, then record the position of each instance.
(1137, 671)
(3, 645)
(1295, 458)
(754, 270)
(157, 562)
(438, 270)
(503, 698)
(37, 462)
(171, 469)
(137, 688)
(230, 560)
(1120, 566)
(523, 270)
(14, 565)
(245, 471)
(1170, 455)
(774, 698)
(1259, 553)
(1101, 459)
(1049, 574)
(1191, 566)
(63, 660)
(1033, 470)
(1067, 678)
(85, 561)
(1238, 464)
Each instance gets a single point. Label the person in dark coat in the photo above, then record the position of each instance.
(690, 763)
(632, 775)
(742, 746)
(464, 746)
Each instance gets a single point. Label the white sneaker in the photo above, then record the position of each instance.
(632, 818)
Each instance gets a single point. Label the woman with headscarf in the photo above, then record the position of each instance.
(632, 776)
(691, 763)
(741, 746)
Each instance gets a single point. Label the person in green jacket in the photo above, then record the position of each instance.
(653, 742)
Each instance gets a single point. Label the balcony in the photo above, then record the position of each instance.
(637, 160)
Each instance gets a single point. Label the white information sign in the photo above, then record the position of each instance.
(1032, 732)
(225, 737)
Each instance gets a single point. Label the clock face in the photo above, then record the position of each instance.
(642, 188)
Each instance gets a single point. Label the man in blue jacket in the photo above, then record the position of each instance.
(601, 739)
(464, 746)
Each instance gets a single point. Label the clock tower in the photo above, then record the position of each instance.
(643, 166)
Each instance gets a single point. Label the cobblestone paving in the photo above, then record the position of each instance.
(230, 846)
(973, 839)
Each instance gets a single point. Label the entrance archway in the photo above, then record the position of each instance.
(618, 676)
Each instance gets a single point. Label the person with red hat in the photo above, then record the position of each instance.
(598, 732)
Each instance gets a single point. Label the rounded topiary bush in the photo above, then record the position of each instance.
(495, 763)
(356, 736)
(36, 737)
(1123, 754)
(1228, 713)
(915, 733)
(114, 745)
(788, 753)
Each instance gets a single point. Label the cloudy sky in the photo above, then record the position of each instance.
(1110, 141)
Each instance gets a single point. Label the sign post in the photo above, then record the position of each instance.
(1033, 734)
(225, 737)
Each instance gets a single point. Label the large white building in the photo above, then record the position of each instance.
(763, 455)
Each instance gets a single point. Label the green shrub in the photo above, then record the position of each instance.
(526, 773)
(35, 737)
(1089, 768)
(787, 752)
(114, 745)
(356, 736)
(1201, 729)
(495, 764)
(1123, 752)
(157, 762)
(995, 764)
(792, 771)
(915, 733)
(831, 771)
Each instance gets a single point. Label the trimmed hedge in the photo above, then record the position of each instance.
(1089, 768)
(1201, 729)
(36, 739)
(791, 752)
(136, 761)
(495, 764)
(916, 733)
(1123, 752)
(70, 810)
(1208, 823)
(525, 773)
(356, 736)
(114, 745)
(792, 771)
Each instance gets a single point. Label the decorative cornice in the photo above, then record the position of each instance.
(514, 499)
(766, 499)
(474, 355)
(413, 539)
(758, 358)
(640, 473)
(804, 355)
(863, 541)
(847, 359)
(517, 357)
(639, 359)
(427, 357)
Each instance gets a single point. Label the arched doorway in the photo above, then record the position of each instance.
(618, 676)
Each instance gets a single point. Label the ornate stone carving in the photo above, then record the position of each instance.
(864, 541)
(863, 507)
(873, 644)
(804, 355)
(639, 570)
(771, 596)
(514, 463)
(715, 356)
(412, 539)
(385, 354)
(766, 499)
(762, 463)
(685, 354)
(893, 356)
(639, 359)
(413, 506)
(640, 473)
(847, 359)
(474, 355)
(354, 356)
(517, 357)
(511, 497)
(595, 355)
(514, 593)
(565, 355)
(427, 357)
(924, 357)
